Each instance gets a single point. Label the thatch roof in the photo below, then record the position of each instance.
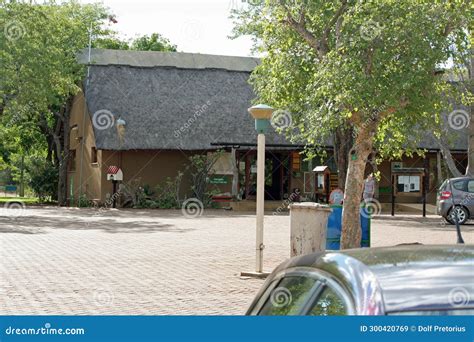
(172, 100)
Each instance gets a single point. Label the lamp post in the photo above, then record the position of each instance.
(262, 115)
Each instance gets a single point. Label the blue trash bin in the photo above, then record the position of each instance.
(334, 227)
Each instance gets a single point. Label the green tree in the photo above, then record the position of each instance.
(113, 43)
(154, 42)
(40, 74)
(365, 70)
(43, 178)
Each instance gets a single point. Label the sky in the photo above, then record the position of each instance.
(200, 26)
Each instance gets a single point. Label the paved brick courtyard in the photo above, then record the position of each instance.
(81, 261)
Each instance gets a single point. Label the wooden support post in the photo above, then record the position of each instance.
(114, 191)
(235, 173)
(394, 178)
(247, 175)
(426, 179)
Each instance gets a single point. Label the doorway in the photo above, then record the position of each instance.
(277, 175)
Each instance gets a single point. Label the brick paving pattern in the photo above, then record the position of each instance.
(153, 262)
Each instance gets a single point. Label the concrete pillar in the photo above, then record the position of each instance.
(308, 223)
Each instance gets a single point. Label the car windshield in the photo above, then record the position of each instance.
(329, 303)
(289, 297)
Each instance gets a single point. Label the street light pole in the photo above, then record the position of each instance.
(262, 115)
(260, 199)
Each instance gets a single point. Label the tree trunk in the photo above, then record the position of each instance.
(470, 146)
(342, 146)
(470, 151)
(373, 163)
(63, 167)
(448, 158)
(62, 148)
(351, 230)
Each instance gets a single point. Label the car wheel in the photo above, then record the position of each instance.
(462, 213)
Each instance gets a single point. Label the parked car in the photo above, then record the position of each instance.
(400, 280)
(456, 193)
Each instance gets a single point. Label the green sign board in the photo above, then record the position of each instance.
(218, 180)
(385, 190)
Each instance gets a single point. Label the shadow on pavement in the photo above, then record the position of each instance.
(41, 225)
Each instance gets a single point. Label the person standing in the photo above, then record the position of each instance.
(369, 188)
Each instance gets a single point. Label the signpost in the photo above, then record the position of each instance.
(218, 180)
(115, 174)
(409, 182)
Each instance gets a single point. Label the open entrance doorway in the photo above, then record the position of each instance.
(277, 175)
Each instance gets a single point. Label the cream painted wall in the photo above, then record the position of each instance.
(81, 141)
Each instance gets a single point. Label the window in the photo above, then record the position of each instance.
(320, 181)
(408, 183)
(289, 296)
(296, 161)
(443, 186)
(470, 186)
(460, 185)
(329, 304)
(93, 155)
(72, 160)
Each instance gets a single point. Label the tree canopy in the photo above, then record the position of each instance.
(40, 75)
(153, 42)
(367, 67)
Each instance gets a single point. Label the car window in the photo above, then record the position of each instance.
(329, 303)
(470, 186)
(289, 296)
(443, 186)
(460, 185)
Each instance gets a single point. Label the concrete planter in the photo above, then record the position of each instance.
(308, 223)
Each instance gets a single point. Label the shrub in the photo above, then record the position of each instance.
(200, 168)
(84, 202)
(167, 195)
(43, 179)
